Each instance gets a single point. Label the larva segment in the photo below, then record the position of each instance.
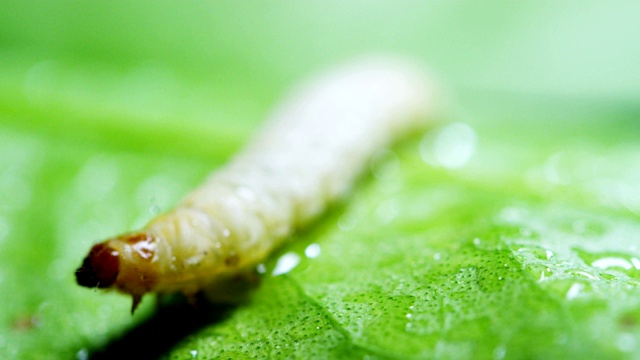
(307, 156)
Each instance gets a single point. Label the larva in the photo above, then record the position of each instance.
(307, 155)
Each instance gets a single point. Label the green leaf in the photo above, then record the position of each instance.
(508, 231)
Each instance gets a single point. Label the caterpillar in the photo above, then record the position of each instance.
(307, 155)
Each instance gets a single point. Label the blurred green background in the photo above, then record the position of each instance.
(110, 111)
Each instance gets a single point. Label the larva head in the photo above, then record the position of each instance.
(126, 263)
(100, 268)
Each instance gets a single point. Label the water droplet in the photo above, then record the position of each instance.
(82, 354)
(261, 269)
(437, 256)
(533, 253)
(582, 274)
(549, 254)
(574, 291)
(226, 233)
(286, 263)
(609, 276)
(452, 147)
(609, 262)
(312, 251)
(544, 274)
(194, 353)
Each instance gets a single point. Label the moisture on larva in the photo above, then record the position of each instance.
(306, 156)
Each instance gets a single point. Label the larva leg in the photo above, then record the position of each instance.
(307, 155)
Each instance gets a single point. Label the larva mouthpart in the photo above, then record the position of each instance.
(307, 155)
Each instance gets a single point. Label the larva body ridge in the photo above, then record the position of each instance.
(307, 155)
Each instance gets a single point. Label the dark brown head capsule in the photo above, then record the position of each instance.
(100, 268)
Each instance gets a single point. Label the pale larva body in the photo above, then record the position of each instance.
(307, 155)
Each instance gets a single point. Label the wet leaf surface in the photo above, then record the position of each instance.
(509, 230)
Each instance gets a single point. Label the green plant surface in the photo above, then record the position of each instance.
(508, 230)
